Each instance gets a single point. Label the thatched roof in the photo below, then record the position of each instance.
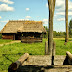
(23, 26)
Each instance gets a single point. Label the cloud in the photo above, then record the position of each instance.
(27, 9)
(60, 5)
(5, 7)
(0, 17)
(4, 21)
(7, 1)
(60, 13)
(28, 17)
(63, 13)
(45, 21)
(23, 19)
(55, 15)
(38, 16)
(46, 4)
(61, 19)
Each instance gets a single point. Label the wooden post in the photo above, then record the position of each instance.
(14, 36)
(66, 20)
(51, 5)
(54, 48)
(46, 48)
(53, 52)
(14, 66)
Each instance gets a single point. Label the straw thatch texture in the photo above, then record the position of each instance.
(23, 26)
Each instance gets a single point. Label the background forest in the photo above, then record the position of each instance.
(60, 34)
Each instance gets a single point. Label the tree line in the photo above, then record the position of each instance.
(59, 34)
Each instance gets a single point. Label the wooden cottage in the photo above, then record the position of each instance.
(26, 31)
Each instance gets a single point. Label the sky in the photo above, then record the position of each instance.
(36, 10)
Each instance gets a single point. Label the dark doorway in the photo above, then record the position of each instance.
(18, 36)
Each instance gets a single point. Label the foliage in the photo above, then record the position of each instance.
(10, 53)
(45, 35)
(70, 28)
(59, 34)
(55, 34)
(0, 36)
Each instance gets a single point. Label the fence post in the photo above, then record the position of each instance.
(46, 48)
(54, 48)
(53, 52)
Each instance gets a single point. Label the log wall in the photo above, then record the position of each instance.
(30, 40)
(8, 36)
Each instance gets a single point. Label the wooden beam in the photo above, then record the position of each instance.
(51, 5)
(66, 20)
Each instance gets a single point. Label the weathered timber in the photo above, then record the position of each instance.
(7, 37)
(53, 53)
(51, 5)
(66, 20)
(31, 40)
(68, 59)
(46, 48)
(45, 68)
(54, 47)
(14, 66)
(42, 63)
(69, 55)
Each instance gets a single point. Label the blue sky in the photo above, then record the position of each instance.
(34, 10)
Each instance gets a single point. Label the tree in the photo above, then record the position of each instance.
(51, 5)
(66, 19)
(46, 28)
(45, 35)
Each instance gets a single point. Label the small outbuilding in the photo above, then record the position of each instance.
(26, 31)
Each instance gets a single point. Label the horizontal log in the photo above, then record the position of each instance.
(69, 56)
(15, 65)
(7, 37)
(31, 40)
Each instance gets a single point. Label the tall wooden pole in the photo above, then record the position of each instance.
(66, 20)
(51, 5)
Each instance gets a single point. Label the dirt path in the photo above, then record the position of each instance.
(16, 41)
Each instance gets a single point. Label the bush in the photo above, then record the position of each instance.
(0, 36)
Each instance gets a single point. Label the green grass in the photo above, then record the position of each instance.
(10, 53)
(61, 48)
(2, 41)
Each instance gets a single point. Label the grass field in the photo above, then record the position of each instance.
(10, 53)
(4, 41)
